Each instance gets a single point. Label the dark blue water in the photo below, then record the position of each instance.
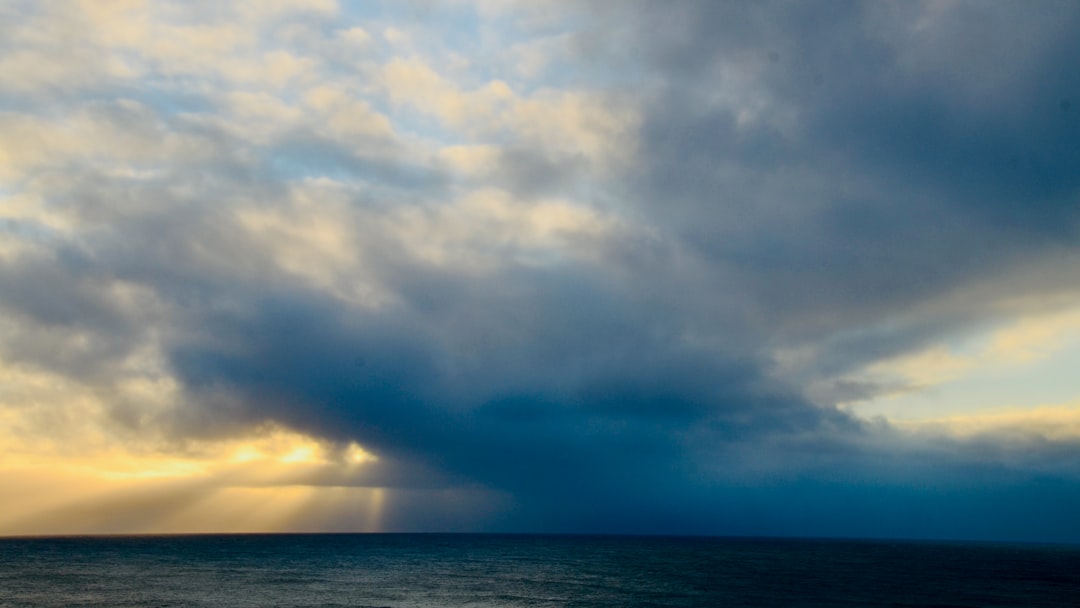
(487, 570)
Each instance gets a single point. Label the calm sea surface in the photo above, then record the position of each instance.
(487, 570)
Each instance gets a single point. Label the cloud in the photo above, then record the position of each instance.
(567, 288)
(839, 174)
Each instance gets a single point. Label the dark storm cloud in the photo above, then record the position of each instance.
(546, 384)
(895, 151)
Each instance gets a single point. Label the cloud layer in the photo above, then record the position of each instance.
(591, 266)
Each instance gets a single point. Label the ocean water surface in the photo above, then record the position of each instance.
(420, 570)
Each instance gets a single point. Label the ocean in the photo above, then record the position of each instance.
(421, 570)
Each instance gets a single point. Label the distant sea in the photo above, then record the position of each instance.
(418, 570)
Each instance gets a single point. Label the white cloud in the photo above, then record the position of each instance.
(560, 124)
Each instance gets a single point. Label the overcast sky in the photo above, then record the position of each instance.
(764, 268)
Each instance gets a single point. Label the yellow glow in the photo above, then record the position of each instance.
(1014, 367)
(1053, 422)
(1035, 337)
(298, 455)
(50, 502)
(272, 479)
(1024, 340)
(486, 229)
(571, 124)
(929, 367)
(245, 453)
(358, 455)
(271, 444)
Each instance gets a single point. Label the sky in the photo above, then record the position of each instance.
(691, 267)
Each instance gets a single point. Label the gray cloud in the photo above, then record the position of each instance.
(889, 154)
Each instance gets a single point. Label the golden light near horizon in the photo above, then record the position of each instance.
(67, 466)
(273, 480)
